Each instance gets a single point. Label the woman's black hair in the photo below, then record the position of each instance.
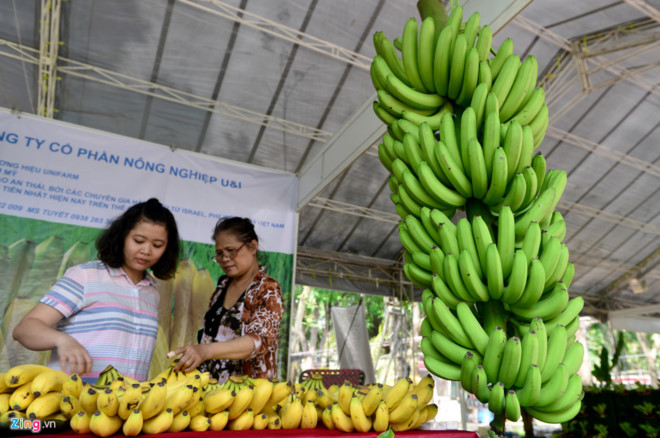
(110, 244)
(241, 227)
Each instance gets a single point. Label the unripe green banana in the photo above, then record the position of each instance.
(511, 358)
(468, 366)
(529, 354)
(479, 384)
(494, 278)
(503, 52)
(556, 351)
(472, 327)
(497, 396)
(531, 389)
(493, 353)
(512, 406)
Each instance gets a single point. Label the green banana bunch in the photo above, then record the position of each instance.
(464, 123)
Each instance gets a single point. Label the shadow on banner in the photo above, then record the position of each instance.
(352, 340)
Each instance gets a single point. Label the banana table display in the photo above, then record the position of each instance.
(464, 121)
(177, 401)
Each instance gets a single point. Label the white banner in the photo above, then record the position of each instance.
(60, 172)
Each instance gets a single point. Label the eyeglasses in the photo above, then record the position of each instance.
(230, 254)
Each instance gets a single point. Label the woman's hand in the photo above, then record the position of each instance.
(74, 358)
(191, 357)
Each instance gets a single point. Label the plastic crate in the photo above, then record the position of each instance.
(336, 377)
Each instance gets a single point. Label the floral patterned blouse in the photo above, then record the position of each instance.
(257, 313)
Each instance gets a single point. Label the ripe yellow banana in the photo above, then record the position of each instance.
(103, 425)
(69, 406)
(44, 405)
(133, 424)
(154, 401)
(21, 397)
(47, 381)
(73, 385)
(158, 424)
(108, 402)
(310, 416)
(80, 422)
(341, 421)
(21, 374)
(129, 401)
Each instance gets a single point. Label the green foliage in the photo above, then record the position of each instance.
(602, 371)
(602, 431)
(628, 429)
(645, 408)
(651, 431)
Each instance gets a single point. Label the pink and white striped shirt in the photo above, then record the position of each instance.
(114, 319)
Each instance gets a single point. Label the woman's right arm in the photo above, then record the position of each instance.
(37, 331)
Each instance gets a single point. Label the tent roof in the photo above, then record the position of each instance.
(271, 83)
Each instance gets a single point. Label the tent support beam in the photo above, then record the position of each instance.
(49, 42)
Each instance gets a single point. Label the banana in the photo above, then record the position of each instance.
(573, 357)
(496, 399)
(522, 88)
(534, 286)
(454, 278)
(556, 350)
(360, 420)
(422, 260)
(398, 391)
(404, 409)
(47, 381)
(448, 135)
(539, 124)
(241, 401)
(539, 211)
(531, 107)
(468, 365)
(506, 239)
(478, 171)
(440, 288)
(159, 423)
(218, 400)
(260, 421)
(244, 421)
(431, 230)
(340, 419)
(485, 75)
(442, 61)
(384, 158)
(475, 287)
(457, 66)
(491, 136)
(468, 130)
(547, 307)
(344, 396)
(512, 406)
(528, 356)
(572, 310)
(383, 115)
(132, 398)
(310, 416)
(386, 50)
(263, 389)
(538, 326)
(406, 239)
(69, 405)
(433, 120)
(107, 402)
(470, 77)
(103, 425)
(553, 388)
(437, 364)
(133, 424)
(19, 375)
(494, 278)
(451, 323)
(202, 423)
(525, 160)
(441, 192)
(517, 280)
(550, 255)
(406, 424)
(417, 275)
(472, 28)
(21, 397)
(482, 237)
(560, 268)
(72, 386)
(44, 405)
(531, 242)
(529, 393)
(424, 389)
(410, 96)
(80, 422)
(219, 420)
(154, 401)
(511, 359)
(451, 166)
(573, 393)
(420, 195)
(412, 150)
(472, 327)
(372, 399)
(503, 53)
(484, 42)
(465, 239)
(493, 353)
(561, 416)
(479, 384)
(512, 145)
(418, 233)
(478, 102)
(426, 52)
(409, 55)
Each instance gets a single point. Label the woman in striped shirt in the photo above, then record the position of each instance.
(105, 312)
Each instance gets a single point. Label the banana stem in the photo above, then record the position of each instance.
(435, 9)
(497, 425)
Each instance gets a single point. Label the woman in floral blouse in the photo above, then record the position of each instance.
(241, 327)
